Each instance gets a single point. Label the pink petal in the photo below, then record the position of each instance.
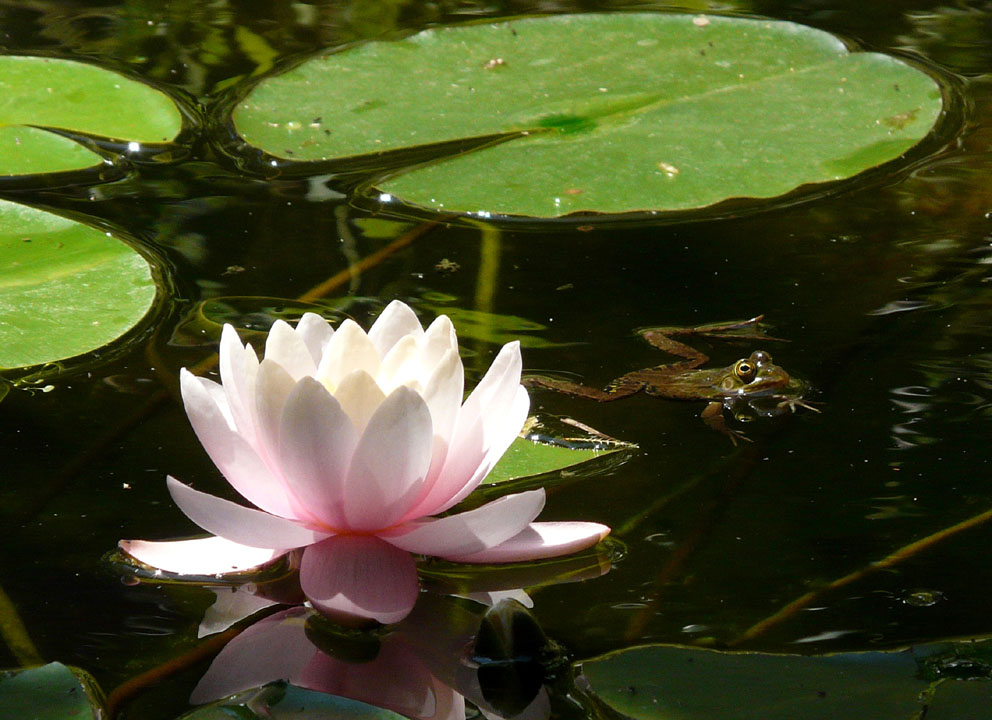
(457, 468)
(356, 578)
(500, 438)
(395, 680)
(317, 445)
(275, 648)
(284, 346)
(390, 462)
(316, 332)
(488, 418)
(230, 451)
(472, 531)
(239, 524)
(393, 323)
(538, 541)
(201, 556)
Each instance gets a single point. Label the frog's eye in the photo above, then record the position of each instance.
(744, 369)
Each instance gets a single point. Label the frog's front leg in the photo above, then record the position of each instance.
(620, 388)
(712, 415)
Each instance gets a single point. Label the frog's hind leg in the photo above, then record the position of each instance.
(661, 337)
(620, 388)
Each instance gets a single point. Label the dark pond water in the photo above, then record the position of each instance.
(882, 290)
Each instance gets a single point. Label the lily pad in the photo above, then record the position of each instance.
(597, 113)
(39, 97)
(65, 288)
(50, 692)
(540, 452)
(672, 683)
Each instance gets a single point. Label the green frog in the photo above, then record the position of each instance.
(752, 386)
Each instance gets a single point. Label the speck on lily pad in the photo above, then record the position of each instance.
(66, 288)
(595, 113)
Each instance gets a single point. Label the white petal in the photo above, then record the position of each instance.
(272, 386)
(230, 452)
(390, 462)
(238, 365)
(316, 333)
(472, 531)
(443, 393)
(400, 366)
(438, 339)
(317, 444)
(540, 540)
(393, 323)
(360, 397)
(286, 347)
(200, 556)
(239, 524)
(349, 349)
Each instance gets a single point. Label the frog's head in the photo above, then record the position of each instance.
(753, 375)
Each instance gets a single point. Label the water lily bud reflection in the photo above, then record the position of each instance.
(348, 443)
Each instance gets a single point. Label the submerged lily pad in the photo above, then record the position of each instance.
(65, 288)
(605, 113)
(41, 96)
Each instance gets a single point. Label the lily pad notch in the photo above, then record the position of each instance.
(601, 113)
(45, 101)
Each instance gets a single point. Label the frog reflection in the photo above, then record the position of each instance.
(752, 386)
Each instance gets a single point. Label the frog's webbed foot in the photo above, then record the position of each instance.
(793, 402)
(616, 390)
(712, 415)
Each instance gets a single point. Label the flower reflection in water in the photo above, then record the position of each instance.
(447, 650)
(349, 444)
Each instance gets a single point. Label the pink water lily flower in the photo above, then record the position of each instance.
(347, 444)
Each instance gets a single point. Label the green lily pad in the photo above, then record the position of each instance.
(671, 683)
(40, 96)
(543, 451)
(65, 288)
(50, 692)
(603, 113)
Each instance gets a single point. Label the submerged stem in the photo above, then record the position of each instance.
(15, 634)
(903, 553)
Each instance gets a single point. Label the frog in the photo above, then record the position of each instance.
(752, 386)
